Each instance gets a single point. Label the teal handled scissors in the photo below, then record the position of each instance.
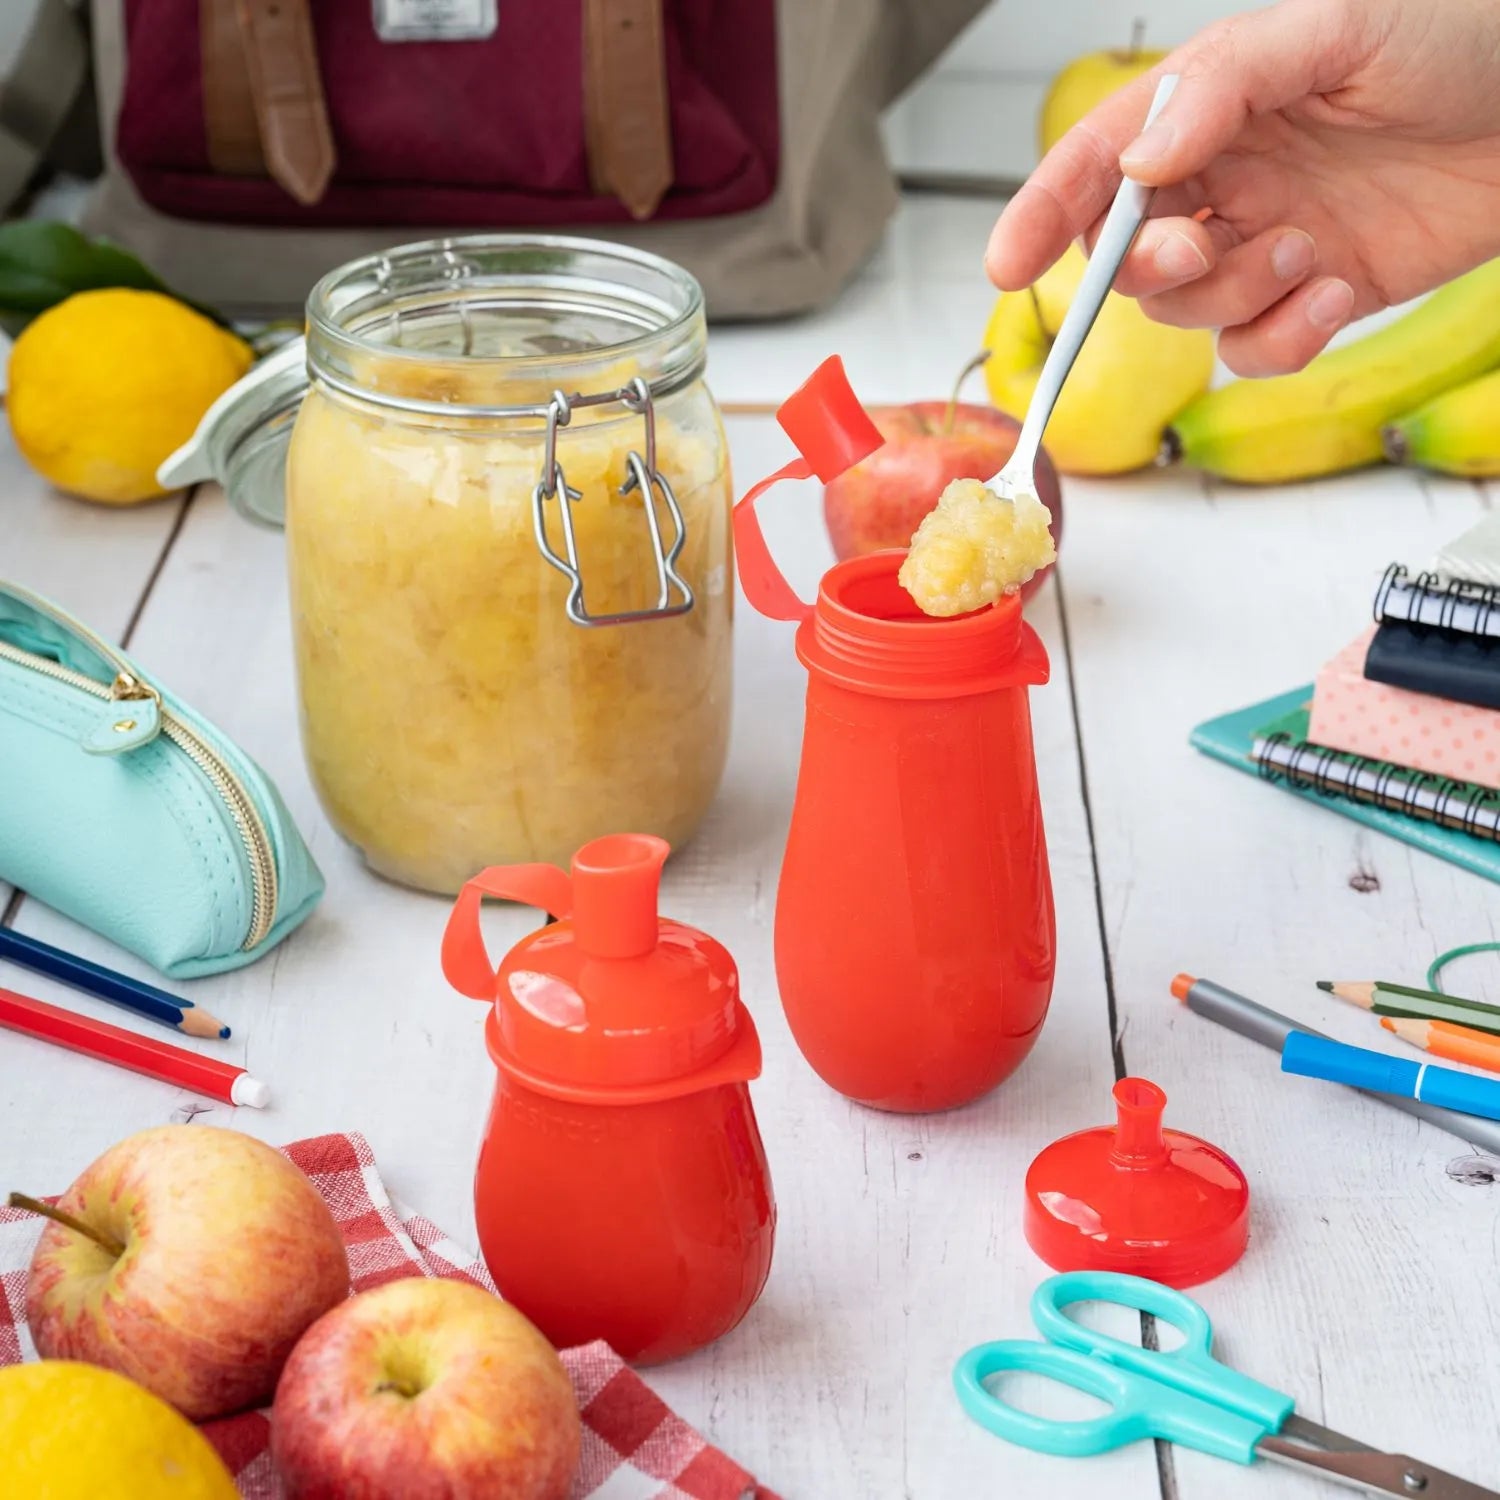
(1182, 1396)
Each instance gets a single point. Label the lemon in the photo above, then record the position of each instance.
(71, 1431)
(107, 384)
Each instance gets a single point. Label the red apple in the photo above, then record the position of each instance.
(199, 1258)
(881, 501)
(425, 1390)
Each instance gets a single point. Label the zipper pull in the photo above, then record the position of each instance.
(131, 718)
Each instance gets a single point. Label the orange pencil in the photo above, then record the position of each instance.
(1443, 1039)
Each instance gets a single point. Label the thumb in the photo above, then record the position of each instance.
(1234, 71)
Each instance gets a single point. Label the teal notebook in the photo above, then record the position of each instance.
(1370, 792)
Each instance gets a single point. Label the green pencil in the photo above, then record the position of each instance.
(1401, 1000)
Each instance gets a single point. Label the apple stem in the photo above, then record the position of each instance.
(1137, 36)
(36, 1206)
(1036, 307)
(958, 385)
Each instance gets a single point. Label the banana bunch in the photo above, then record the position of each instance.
(1410, 391)
(1455, 433)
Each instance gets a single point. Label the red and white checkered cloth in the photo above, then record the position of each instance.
(634, 1448)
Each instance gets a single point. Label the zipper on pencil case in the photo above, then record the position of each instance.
(127, 687)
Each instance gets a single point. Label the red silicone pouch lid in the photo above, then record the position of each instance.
(612, 996)
(1137, 1198)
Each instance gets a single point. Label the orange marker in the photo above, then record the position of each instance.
(1443, 1039)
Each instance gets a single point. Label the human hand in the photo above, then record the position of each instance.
(1349, 151)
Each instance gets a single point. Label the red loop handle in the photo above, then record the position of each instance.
(763, 582)
(833, 432)
(466, 961)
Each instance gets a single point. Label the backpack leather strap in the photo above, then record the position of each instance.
(263, 101)
(627, 126)
(228, 105)
(281, 52)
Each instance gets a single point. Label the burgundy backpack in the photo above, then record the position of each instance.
(297, 112)
(257, 143)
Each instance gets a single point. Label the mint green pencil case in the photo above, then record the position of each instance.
(129, 812)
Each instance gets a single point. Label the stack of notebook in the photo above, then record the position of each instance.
(1401, 729)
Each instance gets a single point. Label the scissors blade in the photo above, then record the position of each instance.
(1306, 1445)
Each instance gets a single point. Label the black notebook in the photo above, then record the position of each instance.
(1437, 636)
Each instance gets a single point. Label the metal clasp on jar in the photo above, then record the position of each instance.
(674, 595)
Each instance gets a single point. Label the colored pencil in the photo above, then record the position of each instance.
(1402, 1000)
(1461, 1044)
(1378, 1072)
(1258, 1023)
(128, 1049)
(119, 989)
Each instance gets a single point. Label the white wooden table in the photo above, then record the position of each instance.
(1371, 1289)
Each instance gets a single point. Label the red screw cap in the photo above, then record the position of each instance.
(1134, 1197)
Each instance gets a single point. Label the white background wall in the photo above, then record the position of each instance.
(975, 114)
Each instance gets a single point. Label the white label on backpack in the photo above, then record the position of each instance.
(434, 20)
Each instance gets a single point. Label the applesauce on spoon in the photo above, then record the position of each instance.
(975, 547)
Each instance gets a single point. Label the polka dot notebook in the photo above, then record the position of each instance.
(1396, 725)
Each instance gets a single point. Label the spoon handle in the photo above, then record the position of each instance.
(1121, 225)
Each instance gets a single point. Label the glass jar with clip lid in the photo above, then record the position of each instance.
(507, 504)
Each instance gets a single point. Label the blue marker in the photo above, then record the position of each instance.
(1380, 1073)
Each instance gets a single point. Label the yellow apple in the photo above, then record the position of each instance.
(191, 1260)
(1130, 379)
(1086, 82)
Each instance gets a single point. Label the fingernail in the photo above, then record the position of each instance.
(1330, 305)
(1151, 143)
(1178, 258)
(1293, 255)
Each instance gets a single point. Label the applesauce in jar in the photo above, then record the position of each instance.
(508, 547)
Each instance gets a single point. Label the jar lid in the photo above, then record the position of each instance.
(452, 323)
(241, 441)
(1136, 1198)
(611, 998)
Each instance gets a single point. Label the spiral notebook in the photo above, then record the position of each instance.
(1425, 811)
(1438, 635)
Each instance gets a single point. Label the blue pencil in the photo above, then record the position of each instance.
(119, 989)
(1380, 1073)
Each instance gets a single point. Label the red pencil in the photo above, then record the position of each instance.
(127, 1049)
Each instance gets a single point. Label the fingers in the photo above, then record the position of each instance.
(1032, 231)
(1166, 253)
(1235, 70)
(1247, 280)
(1036, 228)
(1058, 202)
(1176, 248)
(1231, 72)
(1287, 336)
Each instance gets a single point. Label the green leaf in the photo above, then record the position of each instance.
(43, 262)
